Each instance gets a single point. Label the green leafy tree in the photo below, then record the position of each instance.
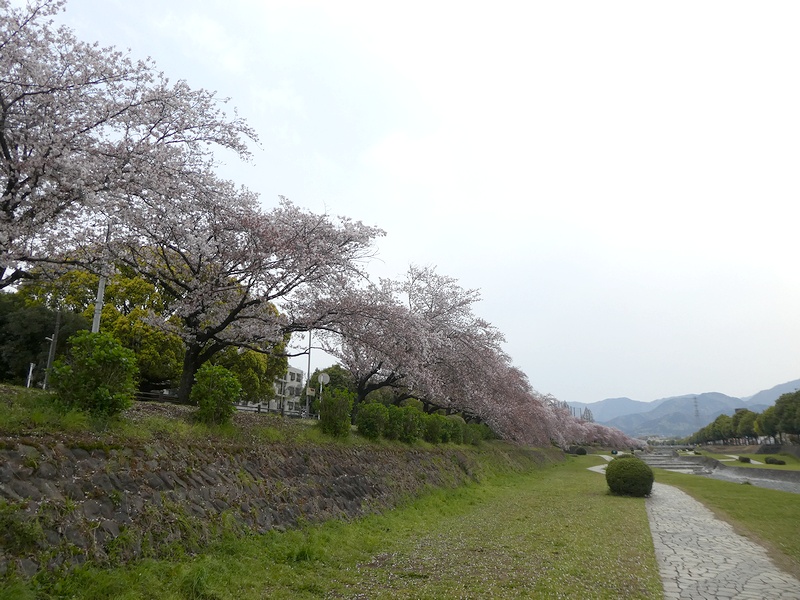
(767, 423)
(24, 329)
(787, 413)
(129, 302)
(98, 375)
(256, 371)
(339, 379)
(214, 393)
(745, 421)
(722, 428)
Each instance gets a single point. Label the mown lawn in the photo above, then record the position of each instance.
(554, 533)
(792, 462)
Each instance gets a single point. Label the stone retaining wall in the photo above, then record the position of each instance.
(63, 504)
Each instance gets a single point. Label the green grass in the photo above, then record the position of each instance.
(25, 410)
(35, 412)
(553, 533)
(792, 462)
(770, 517)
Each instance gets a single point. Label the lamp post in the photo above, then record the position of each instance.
(308, 374)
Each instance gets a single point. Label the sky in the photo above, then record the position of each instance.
(619, 179)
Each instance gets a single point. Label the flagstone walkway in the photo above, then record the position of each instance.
(701, 557)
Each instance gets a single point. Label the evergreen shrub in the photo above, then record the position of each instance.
(771, 460)
(435, 428)
(411, 424)
(214, 392)
(455, 429)
(629, 476)
(475, 433)
(413, 402)
(581, 451)
(334, 412)
(372, 419)
(404, 424)
(744, 459)
(98, 376)
(394, 423)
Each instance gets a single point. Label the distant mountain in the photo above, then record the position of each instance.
(769, 396)
(678, 416)
(611, 408)
(681, 416)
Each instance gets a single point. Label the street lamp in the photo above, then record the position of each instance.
(308, 376)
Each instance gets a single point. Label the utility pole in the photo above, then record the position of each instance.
(52, 353)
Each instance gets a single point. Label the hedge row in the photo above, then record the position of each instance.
(409, 424)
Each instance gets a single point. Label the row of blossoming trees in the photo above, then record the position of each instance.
(106, 164)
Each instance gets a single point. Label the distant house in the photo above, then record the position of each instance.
(288, 393)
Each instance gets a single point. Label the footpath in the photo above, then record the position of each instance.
(701, 557)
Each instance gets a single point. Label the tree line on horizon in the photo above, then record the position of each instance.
(109, 174)
(778, 423)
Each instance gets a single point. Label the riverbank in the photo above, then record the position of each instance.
(552, 532)
(155, 486)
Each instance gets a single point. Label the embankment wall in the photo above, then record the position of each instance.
(63, 503)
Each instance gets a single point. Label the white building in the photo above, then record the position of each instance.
(289, 393)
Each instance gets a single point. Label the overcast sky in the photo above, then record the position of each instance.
(620, 179)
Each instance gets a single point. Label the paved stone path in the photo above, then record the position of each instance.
(701, 557)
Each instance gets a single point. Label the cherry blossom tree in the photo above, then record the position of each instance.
(420, 337)
(234, 274)
(84, 127)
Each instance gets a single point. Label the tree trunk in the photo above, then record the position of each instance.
(191, 363)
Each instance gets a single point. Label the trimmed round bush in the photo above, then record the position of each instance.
(371, 420)
(98, 376)
(744, 459)
(771, 460)
(581, 451)
(629, 476)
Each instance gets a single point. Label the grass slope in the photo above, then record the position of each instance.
(553, 533)
(792, 462)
